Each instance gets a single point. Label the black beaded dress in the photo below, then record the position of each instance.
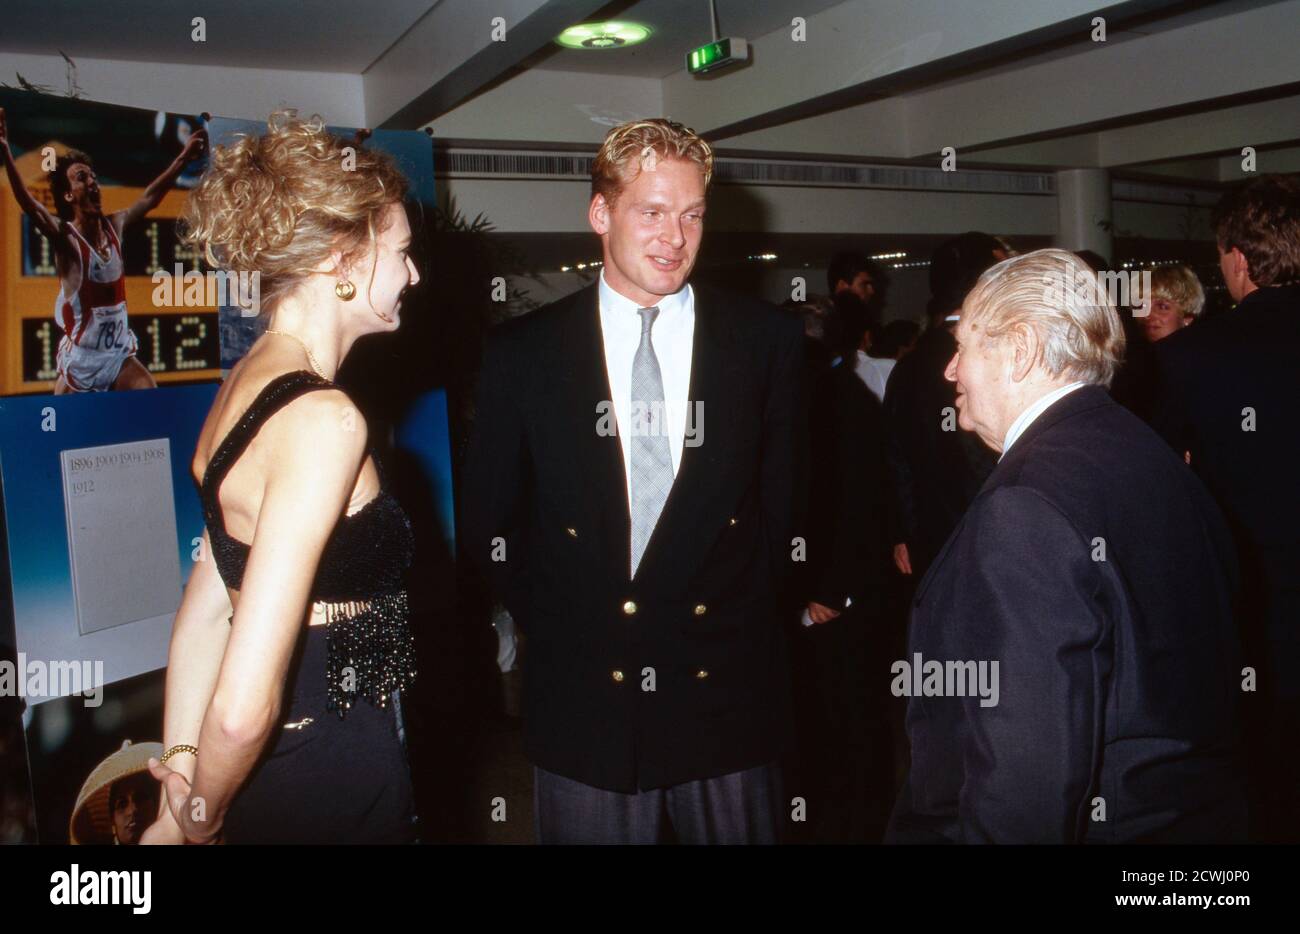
(335, 771)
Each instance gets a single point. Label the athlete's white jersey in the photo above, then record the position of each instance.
(96, 339)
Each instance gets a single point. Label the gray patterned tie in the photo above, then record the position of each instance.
(652, 465)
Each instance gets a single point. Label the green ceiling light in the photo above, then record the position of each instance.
(615, 35)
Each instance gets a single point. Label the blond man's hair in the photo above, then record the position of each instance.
(1178, 284)
(1054, 293)
(632, 147)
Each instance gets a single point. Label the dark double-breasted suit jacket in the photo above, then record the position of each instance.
(1096, 570)
(678, 673)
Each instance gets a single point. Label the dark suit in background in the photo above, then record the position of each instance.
(1215, 376)
(1134, 385)
(844, 663)
(935, 473)
(1118, 678)
(702, 616)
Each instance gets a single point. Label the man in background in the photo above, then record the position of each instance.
(936, 469)
(1227, 400)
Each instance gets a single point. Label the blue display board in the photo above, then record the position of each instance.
(34, 433)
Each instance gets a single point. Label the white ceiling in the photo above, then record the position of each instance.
(1178, 85)
(349, 35)
(302, 35)
(677, 26)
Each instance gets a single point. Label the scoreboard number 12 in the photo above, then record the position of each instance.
(168, 344)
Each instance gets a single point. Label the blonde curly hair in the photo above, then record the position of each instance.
(632, 146)
(279, 204)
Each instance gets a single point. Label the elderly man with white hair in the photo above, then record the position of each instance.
(1072, 662)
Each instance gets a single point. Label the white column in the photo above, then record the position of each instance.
(1083, 201)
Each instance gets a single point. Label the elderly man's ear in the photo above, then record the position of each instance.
(1025, 350)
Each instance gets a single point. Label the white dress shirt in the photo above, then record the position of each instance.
(1026, 418)
(874, 371)
(672, 337)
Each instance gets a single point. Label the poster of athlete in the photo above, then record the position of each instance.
(85, 184)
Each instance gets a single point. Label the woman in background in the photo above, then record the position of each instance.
(281, 721)
(1176, 300)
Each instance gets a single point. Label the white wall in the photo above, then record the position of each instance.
(528, 206)
(553, 106)
(1161, 221)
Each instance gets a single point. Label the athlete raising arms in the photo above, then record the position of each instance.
(97, 351)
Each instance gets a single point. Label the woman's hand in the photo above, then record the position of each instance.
(164, 831)
(176, 791)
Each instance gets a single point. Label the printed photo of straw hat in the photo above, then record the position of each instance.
(119, 799)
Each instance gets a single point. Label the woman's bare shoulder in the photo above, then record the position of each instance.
(323, 420)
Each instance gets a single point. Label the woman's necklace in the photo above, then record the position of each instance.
(311, 357)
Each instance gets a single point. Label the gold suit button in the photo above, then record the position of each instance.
(572, 533)
(617, 675)
(701, 675)
(731, 521)
(629, 608)
(700, 609)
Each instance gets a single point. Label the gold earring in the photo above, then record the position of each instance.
(345, 290)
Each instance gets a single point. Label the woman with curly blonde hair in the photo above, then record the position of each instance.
(292, 642)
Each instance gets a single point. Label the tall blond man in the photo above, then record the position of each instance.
(631, 493)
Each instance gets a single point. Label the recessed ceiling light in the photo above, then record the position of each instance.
(614, 35)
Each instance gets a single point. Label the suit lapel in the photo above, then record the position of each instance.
(598, 457)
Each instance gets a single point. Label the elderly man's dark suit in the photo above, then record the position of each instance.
(1118, 669)
(704, 608)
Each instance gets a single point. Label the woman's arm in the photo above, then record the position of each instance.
(316, 451)
(199, 635)
(153, 194)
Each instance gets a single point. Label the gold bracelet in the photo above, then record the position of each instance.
(180, 747)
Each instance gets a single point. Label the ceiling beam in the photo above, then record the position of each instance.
(875, 130)
(1252, 53)
(449, 55)
(865, 49)
(1196, 139)
(1214, 132)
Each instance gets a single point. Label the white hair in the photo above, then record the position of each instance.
(1056, 294)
